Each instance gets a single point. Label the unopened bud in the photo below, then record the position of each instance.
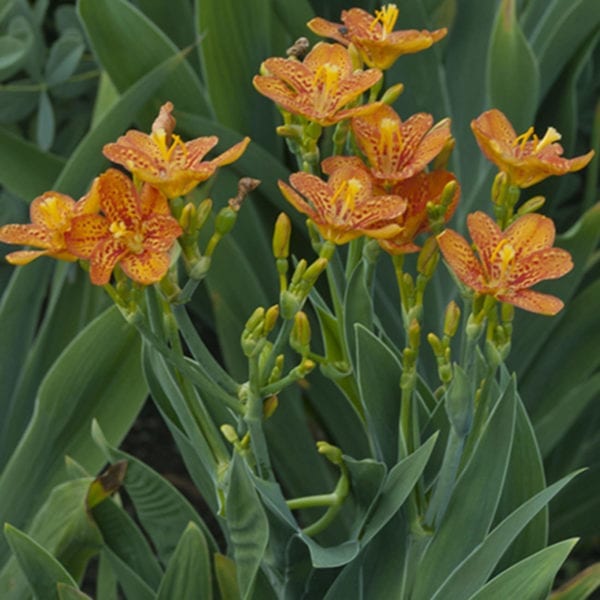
(312, 273)
(202, 213)
(289, 131)
(188, 217)
(451, 319)
(301, 334)
(499, 188)
(414, 334)
(392, 94)
(299, 272)
(255, 319)
(332, 453)
(440, 162)
(290, 304)
(229, 433)
(428, 257)
(532, 205)
(436, 344)
(281, 236)
(271, 317)
(306, 366)
(270, 405)
(225, 220)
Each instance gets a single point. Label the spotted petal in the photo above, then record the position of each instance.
(486, 236)
(461, 259)
(118, 197)
(104, 258)
(535, 302)
(530, 233)
(549, 263)
(147, 267)
(86, 232)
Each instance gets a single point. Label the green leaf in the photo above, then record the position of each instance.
(68, 592)
(113, 26)
(26, 170)
(63, 528)
(188, 572)
(472, 505)
(12, 54)
(358, 306)
(559, 33)
(161, 510)
(228, 67)
(128, 551)
(531, 578)
(64, 57)
(226, 578)
(378, 373)
(513, 77)
(87, 160)
(42, 570)
(97, 376)
(46, 124)
(582, 586)
(473, 572)
(248, 525)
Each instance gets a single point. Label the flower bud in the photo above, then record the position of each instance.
(202, 213)
(392, 94)
(499, 188)
(300, 334)
(271, 317)
(187, 217)
(332, 453)
(428, 257)
(531, 205)
(312, 273)
(255, 319)
(440, 162)
(436, 344)
(281, 236)
(289, 304)
(451, 319)
(225, 220)
(270, 405)
(229, 433)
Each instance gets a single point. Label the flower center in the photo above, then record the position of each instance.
(387, 16)
(503, 257)
(132, 239)
(521, 141)
(347, 192)
(167, 143)
(54, 215)
(326, 82)
(390, 140)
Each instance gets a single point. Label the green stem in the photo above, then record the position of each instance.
(315, 501)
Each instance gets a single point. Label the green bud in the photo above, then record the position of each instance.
(531, 205)
(229, 433)
(299, 272)
(332, 453)
(202, 213)
(436, 344)
(270, 405)
(256, 318)
(445, 373)
(301, 334)
(281, 236)
(392, 93)
(289, 304)
(414, 334)
(499, 188)
(225, 220)
(428, 257)
(451, 319)
(306, 366)
(187, 217)
(313, 130)
(290, 131)
(311, 274)
(271, 317)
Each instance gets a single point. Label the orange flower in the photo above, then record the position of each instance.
(419, 191)
(398, 150)
(164, 160)
(377, 44)
(51, 215)
(136, 231)
(509, 262)
(319, 87)
(524, 158)
(344, 208)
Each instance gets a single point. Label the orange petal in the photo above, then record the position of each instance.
(137, 152)
(460, 258)
(327, 29)
(295, 199)
(24, 257)
(530, 233)
(549, 263)
(146, 268)
(544, 304)
(104, 259)
(331, 54)
(52, 210)
(486, 236)
(232, 154)
(160, 233)
(295, 74)
(27, 235)
(153, 201)
(86, 232)
(490, 126)
(118, 197)
(197, 149)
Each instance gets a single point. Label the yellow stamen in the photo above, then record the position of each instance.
(522, 139)
(349, 190)
(132, 239)
(118, 229)
(550, 137)
(387, 16)
(167, 144)
(326, 81)
(390, 136)
(506, 253)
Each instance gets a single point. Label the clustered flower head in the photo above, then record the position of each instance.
(121, 221)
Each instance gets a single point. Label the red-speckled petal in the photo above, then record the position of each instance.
(327, 29)
(153, 201)
(461, 259)
(333, 163)
(296, 200)
(27, 235)
(486, 236)
(425, 150)
(293, 73)
(543, 304)
(138, 153)
(332, 54)
(197, 149)
(315, 190)
(493, 126)
(52, 210)
(104, 259)
(160, 232)
(86, 232)
(549, 263)
(276, 90)
(118, 197)
(147, 267)
(530, 233)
